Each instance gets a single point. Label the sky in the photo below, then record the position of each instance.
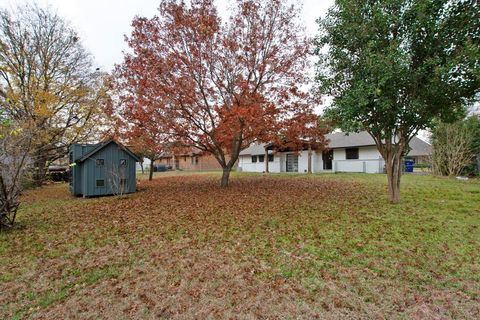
(102, 24)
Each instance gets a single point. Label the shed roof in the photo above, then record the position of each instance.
(344, 140)
(102, 145)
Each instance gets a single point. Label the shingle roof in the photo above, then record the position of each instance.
(254, 149)
(419, 147)
(102, 145)
(343, 140)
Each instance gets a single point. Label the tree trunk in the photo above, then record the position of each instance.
(393, 166)
(39, 170)
(150, 175)
(309, 159)
(266, 160)
(141, 166)
(225, 177)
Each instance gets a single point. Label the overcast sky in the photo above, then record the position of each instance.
(102, 24)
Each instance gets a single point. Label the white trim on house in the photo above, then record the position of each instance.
(369, 158)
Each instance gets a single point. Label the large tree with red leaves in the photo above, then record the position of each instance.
(223, 86)
(138, 122)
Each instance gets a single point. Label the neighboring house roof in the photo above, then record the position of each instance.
(102, 145)
(343, 140)
(419, 148)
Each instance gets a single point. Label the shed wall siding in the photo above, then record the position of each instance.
(87, 172)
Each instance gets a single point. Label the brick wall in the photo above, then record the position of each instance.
(195, 163)
(199, 163)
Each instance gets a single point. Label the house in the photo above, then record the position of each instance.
(192, 160)
(143, 164)
(100, 169)
(355, 152)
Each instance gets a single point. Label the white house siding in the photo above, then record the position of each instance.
(146, 165)
(245, 164)
(369, 161)
(317, 163)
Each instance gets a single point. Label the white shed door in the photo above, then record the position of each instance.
(292, 162)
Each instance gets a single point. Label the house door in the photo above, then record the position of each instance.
(292, 162)
(327, 158)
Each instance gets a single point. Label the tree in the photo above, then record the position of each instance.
(137, 121)
(47, 81)
(15, 143)
(222, 85)
(455, 146)
(393, 66)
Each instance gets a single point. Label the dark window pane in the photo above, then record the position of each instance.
(270, 158)
(351, 153)
(254, 158)
(261, 158)
(100, 162)
(100, 183)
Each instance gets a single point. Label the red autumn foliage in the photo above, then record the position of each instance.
(221, 86)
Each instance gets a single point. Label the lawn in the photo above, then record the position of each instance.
(277, 246)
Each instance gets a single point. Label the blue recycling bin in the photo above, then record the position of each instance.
(409, 165)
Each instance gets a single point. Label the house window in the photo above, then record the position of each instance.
(254, 158)
(196, 160)
(100, 162)
(100, 183)
(123, 162)
(261, 158)
(123, 183)
(351, 153)
(270, 158)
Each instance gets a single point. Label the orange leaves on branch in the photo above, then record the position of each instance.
(219, 86)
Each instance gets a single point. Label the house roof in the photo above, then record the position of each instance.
(343, 140)
(102, 145)
(253, 149)
(419, 148)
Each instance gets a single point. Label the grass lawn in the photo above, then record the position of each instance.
(278, 246)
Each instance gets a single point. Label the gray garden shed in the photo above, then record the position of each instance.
(101, 169)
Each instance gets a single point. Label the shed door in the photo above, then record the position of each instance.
(292, 162)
